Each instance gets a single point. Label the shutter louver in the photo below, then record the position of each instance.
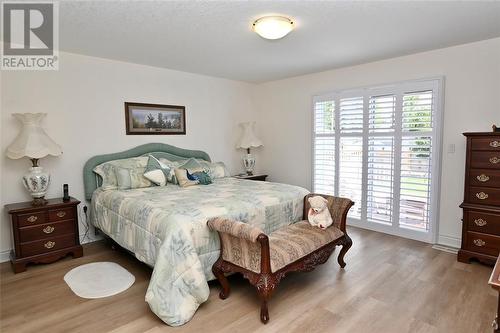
(381, 114)
(350, 170)
(324, 120)
(324, 165)
(415, 182)
(380, 179)
(417, 112)
(351, 115)
(324, 147)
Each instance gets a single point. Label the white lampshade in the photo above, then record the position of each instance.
(248, 138)
(32, 141)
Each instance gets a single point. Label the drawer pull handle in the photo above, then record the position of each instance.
(61, 214)
(480, 222)
(495, 160)
(32, 218)
(483, 178)
(49, 229)
(495, 144)
(479, 242)
(51, 244)
(482, 195)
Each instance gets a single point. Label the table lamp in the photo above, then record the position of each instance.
(34, 143)
(248, 140)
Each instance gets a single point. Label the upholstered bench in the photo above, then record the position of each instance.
(265, 259)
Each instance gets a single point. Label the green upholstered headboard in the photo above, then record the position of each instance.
(159, 150)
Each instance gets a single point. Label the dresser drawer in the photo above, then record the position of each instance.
(47, 245)
(484, 177)
(61, 214)
(31, 218)
(485, 160)
(482, 222)
(483, 243)
(485, 143)
(47, 230)
(484, 195)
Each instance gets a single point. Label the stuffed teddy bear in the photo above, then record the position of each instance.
(319, 215)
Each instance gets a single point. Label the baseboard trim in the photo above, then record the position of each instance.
(447, 249)
(447, 241)
(4, 256)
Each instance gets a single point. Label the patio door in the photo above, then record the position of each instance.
(380, 147)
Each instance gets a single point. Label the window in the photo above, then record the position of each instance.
(379, 147)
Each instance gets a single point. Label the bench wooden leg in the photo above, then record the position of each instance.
(265, 285)
(219, 274)
(264, 312)
(346, 245)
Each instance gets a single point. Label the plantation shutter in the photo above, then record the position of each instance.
(324, 146)
(376, 146)
(380, 166)
(351, 151)
(416, 149)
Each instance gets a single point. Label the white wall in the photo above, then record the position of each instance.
(84, 101)
(472, 103)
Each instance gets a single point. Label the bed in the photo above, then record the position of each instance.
(165, 227)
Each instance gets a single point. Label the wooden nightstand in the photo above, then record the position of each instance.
(252, 177)
(43, 234)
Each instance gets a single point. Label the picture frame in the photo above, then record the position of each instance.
(154, 119)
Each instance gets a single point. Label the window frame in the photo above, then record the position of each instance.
(436, 84)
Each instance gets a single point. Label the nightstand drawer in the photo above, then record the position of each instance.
(31, 218)
(61, 214)
(47, 245)
(47, 230)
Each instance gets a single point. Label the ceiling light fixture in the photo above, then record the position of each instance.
(273, 27)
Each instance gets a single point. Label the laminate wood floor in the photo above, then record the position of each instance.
(389, 285)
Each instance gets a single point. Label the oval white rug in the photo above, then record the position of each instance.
(99, 279)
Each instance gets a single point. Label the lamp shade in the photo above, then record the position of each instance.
(248, 138)
(32, 141)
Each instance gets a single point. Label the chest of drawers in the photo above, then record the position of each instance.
(43, 234)
(481, 205)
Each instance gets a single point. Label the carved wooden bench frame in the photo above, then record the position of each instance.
(266, 281)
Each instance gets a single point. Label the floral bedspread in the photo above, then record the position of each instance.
(165, 227)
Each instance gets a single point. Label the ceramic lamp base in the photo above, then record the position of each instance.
(249, 163)
(37, 181)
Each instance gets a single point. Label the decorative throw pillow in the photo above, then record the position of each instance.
(184, 178)
(129, 178)
(191, 164)
(156, 171)
(215, 170)
(107, 170)
(202, 177)
(107, 173)
(172, 165)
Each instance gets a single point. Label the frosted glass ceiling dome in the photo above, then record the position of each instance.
(273, 27)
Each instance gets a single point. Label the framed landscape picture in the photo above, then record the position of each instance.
(144, 118)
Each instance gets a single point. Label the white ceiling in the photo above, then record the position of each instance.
(215, 37)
